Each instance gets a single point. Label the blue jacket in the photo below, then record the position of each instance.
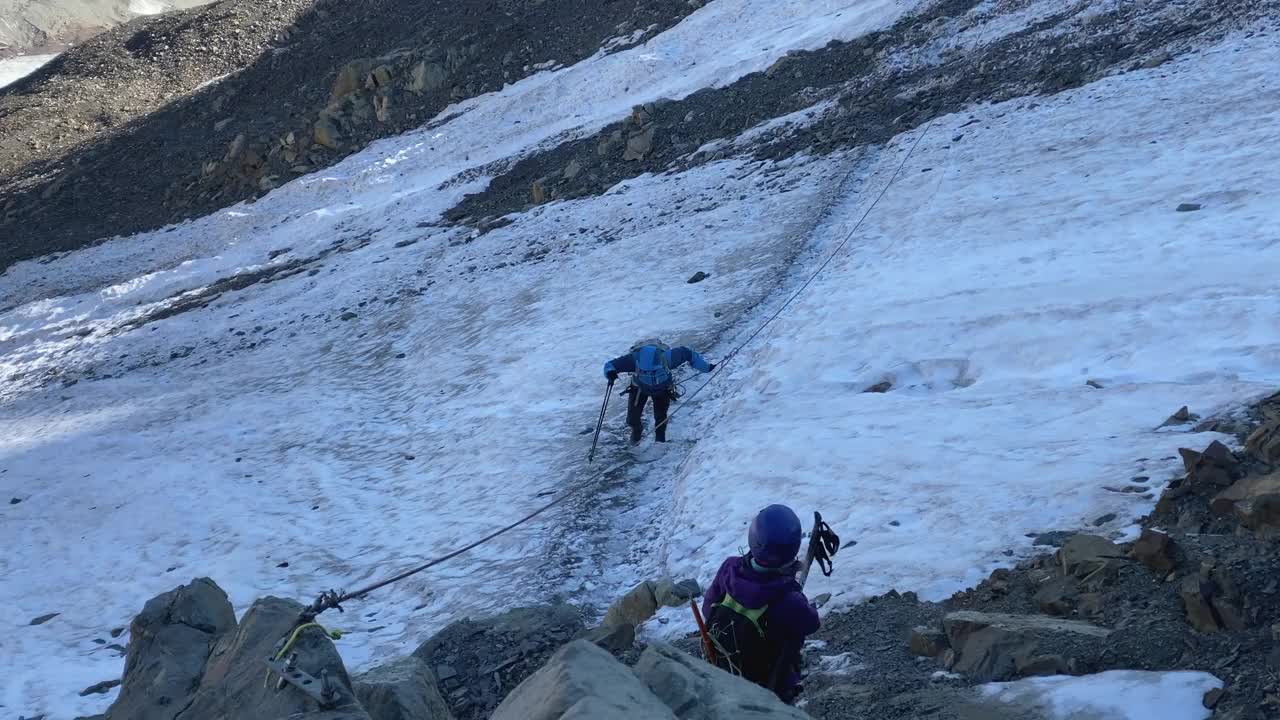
(651, 373)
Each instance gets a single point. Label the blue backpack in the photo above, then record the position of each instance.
(652, 368)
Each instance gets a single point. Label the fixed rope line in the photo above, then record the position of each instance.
(805, 286)
(334, 599)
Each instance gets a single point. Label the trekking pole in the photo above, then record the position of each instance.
(591, 456)
(823, 544)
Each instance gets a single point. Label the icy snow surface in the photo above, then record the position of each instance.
(1115, 695)
(1003, 271)
(16, 68)
(264, 428)
(1038, 251)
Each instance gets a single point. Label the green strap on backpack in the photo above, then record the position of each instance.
(750, 614)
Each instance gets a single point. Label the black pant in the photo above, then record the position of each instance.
(635, 409)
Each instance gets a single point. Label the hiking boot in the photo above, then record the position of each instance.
(636, 433)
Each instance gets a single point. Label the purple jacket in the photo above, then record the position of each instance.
(791, 616)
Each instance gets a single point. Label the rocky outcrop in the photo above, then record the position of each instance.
(1264, 443)
(1155, 550)
(581, 682)
(306, 82)
(696, 690)
(614, 638)
(1253, 501)
(1215, 467)
(189, 659)
(170, 641)
(1002, 647)
(32, 26)
(927, 642)
(478, 661)
(1212, 600)
(404, 689)
(233, 683)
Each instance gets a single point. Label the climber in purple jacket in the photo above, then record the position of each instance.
(757, 613)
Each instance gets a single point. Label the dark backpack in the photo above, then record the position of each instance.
(744, 645)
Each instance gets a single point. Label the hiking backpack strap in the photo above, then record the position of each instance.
(752, 615)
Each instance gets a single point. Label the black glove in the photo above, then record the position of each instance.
(711, 367)
(612, 375)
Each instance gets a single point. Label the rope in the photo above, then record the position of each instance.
(333, 599)
(805, 286)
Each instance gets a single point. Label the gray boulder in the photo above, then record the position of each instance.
(233, 685)
(615, 639)
(582, 682)
(404, 689)
(696, 690)
(1085, 555)
(993, 646)
(170, 642)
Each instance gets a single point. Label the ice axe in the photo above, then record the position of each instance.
(823, 545)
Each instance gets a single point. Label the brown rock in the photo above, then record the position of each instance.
(426, 77)
(350, 78)
(236, 148)
(1211, 601)
(608, 145)
(1212, 468)
(927, 642)
(1213, 697)
(1057, 597)
(1089, 604)
(538, 192)
(327, 134)
(1220, 454)
(640, 144)
(1182, 416)
(381, 76)
(1264, 443)
(1155, 550)
(1253, 501)
(1084, 555)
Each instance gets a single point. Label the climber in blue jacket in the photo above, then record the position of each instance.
(650, 362)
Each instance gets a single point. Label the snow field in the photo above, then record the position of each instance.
(1038, 252)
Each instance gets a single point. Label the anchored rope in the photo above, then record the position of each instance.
(333, 599)
(805, 286)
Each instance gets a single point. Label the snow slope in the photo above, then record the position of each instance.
(265, 428)
(1000, 273)
(412, 386)
(16, 68)
(1116, 695)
